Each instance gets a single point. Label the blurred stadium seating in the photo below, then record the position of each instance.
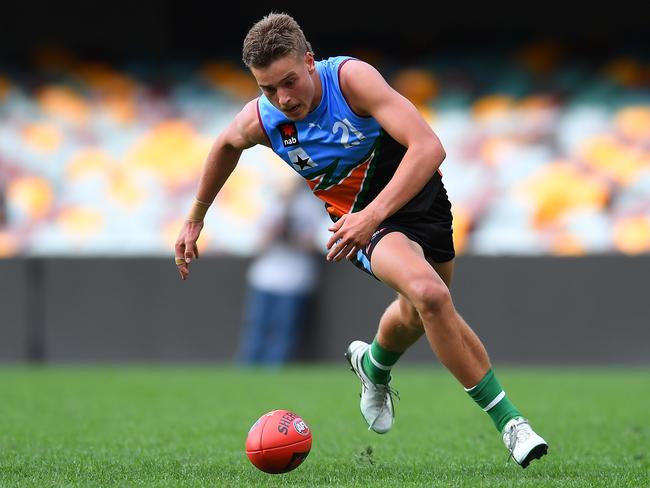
(546, 153)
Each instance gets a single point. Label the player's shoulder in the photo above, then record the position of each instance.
(249, 125)
(360, 83)
(357, 76)
(353, 68)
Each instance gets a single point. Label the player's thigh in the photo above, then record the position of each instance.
(400, 263)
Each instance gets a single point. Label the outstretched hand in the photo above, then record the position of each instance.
(351, 233)
(186, 249)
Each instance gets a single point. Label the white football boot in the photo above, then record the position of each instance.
(376, 399)
(522, 442)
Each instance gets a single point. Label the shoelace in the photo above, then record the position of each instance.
(515, 434)
(388, 392)
(392, 393)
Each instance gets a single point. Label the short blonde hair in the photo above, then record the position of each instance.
(275, 36)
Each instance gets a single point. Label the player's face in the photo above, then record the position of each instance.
(290, 84)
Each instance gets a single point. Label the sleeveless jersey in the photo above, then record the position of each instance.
(346, 159)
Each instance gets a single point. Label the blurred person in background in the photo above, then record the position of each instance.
(5, 178)
(281, 281)
(370, 156)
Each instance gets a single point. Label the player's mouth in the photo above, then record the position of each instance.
(293, 110)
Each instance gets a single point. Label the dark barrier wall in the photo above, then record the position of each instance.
(526, 310)
(14, 327)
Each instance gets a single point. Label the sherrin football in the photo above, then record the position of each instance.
(278, 442)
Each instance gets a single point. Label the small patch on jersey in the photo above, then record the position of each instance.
(289, 134)
(300, 159)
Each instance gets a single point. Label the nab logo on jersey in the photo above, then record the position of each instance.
(289, 134)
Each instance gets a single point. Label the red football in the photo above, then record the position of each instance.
(278, 442)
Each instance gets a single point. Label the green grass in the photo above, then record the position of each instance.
(186, 426)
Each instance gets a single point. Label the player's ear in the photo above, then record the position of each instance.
(309, 60)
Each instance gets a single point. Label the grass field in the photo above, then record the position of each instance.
(186, 426)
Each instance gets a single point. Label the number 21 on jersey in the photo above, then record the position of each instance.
(346, 127)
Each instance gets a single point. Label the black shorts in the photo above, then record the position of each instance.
(432, 229)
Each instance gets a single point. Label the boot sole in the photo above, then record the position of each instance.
(535, 453)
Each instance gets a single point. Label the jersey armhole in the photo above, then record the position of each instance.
(259, 118)
(343, 94)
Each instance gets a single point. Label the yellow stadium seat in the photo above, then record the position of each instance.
(32, 196)
(560, 187)
(633, 124)
(80, 223)
(632, 235)
(65, 103)
(42, 137)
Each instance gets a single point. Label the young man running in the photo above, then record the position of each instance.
(369, 155)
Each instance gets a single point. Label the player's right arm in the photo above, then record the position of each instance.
(243, 132)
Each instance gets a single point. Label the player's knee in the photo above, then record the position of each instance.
(430, 296)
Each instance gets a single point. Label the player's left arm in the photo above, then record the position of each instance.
(369, 94)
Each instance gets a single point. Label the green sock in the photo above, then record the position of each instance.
(491, 398)
(378, 361)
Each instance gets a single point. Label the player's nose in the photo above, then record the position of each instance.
(285, 101)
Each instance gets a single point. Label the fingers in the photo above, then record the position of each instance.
(334, 250)
(179, 248)
(184, 271)
(191, 251)
(353, 252)
(344, 248)
(186, 249)
(182, 267)
(346, 252)
(335, 228)
(186, 252)
(339, 245)
(335, 239)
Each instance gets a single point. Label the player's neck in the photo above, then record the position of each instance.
(318, 92)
